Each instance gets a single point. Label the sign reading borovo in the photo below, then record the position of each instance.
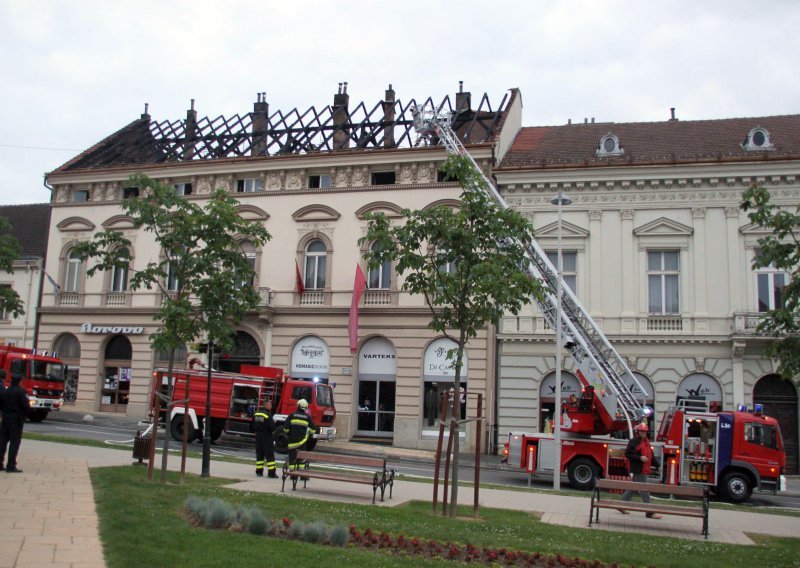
(89, 328)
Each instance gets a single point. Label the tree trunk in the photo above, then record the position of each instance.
(170, 387)
(454, 418)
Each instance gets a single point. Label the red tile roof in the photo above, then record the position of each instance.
(675, 141)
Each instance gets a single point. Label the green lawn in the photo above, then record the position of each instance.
(142, 524)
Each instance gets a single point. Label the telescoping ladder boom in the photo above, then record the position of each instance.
(599, 364)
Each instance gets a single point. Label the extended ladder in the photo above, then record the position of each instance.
(599, 364)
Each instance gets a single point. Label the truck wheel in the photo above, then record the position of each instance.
(736, 487)
(38, 414)
(217, 428)
(176, 429)
(582, 472)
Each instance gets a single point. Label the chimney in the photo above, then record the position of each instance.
(260, 120)
(341, 134)
(586, 120)
(592, 120)
(463, 100)
(191, 132)
(569, 121)
(146, 115)
(672, 114)
(388, 118)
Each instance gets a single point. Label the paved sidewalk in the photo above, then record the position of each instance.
(47, 515)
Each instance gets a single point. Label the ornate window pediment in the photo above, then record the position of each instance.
(316, 212)
(609, 146)
(75, 224)
(568, 230)
(663, 227)
(118, 222)
(453, 203)
(252, 213)
(387, 208)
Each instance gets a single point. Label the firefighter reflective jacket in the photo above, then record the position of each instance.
(263, 421)
(298, 427)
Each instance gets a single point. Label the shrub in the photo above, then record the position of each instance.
(196, 506)
(257, 523)
(313, 532)
(339, 535)
(218, 514)
(296, 529)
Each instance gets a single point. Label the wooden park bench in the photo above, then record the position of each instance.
(686, 491)
(378, 478)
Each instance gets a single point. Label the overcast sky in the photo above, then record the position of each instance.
(74, 72)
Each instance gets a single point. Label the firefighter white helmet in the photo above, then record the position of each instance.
(302, 403)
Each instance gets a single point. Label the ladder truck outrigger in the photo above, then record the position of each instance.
(732, 452)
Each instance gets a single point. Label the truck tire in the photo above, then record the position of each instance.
(582, 472)
(38, 414)
(176, 429)
(217, 428)
(736, 487)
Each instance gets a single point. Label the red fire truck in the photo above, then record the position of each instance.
(42, 377)
(733, 452)
(236, 396)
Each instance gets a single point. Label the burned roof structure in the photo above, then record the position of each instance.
(387, 124)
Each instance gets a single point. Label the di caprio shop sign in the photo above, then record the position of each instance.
(100, 329)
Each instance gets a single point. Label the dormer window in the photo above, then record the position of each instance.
(609, 146)
(757, 140)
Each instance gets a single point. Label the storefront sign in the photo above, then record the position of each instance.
(644, 382)
(377, 357)
(310, 358)
(700, 386)
(89, 328)
(437, 365)
(570, 385)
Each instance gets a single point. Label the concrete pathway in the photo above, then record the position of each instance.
(47, 515)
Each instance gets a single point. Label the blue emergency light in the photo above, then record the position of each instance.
(758, 408)
(742, 407)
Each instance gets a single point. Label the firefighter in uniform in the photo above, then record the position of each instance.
(15, 409)
(298, 428)
(265, 446)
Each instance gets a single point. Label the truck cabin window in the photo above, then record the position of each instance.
(324, 395)
(761, 434)
(302, 392)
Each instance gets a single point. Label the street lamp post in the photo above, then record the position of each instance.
(560, 200)
(206, 461)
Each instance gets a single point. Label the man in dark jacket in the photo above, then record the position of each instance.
(15, 407)
(640, 456)
(265, 446)
(298, 428)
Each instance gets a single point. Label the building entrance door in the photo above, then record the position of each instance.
(375, 408)
(779, 398)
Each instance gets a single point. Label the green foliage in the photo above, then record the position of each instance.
(780, 250)
(9, 252)
(297, 529)
(200, 246)
(218, 514)
(313, 532)
(256, 522)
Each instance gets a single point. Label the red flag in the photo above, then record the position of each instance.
(300, 287)
(358, 290)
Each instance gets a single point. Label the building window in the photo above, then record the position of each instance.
(80, 195)
(663, 277)
(316, 260)
(569, 273)
(757, 140)
(119, 274)
(609, 146)
(249, 254)
(183, 189)
(74, 272)
(130, 192)
(770, 283)
(380, 277)
(172, 282)
(319, 180)
(4, 315)
(383, 178)
(248, 185)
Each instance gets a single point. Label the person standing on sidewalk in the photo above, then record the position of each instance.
(640, 456)
(265, 446)
(15, 407)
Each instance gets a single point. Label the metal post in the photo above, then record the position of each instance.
(559, 200)
(206, 467)
(478, 431)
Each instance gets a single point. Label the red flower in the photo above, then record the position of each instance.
(287, 522)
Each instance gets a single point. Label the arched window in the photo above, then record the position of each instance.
(74, 272)
(380, 277)
(316, 260)
(119, 274)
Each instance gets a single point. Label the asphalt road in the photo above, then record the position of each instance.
(235, 446)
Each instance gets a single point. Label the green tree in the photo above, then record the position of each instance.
(780, 250)
(10, 301)
(466, 262)
(202, 274)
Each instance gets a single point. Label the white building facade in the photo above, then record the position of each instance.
(658, 251)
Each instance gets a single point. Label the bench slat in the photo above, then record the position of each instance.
(650, 508)
(332, 476)
(341, 459)
(679, 490)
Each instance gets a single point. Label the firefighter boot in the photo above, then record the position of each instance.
(272, 474)
(260, 472)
